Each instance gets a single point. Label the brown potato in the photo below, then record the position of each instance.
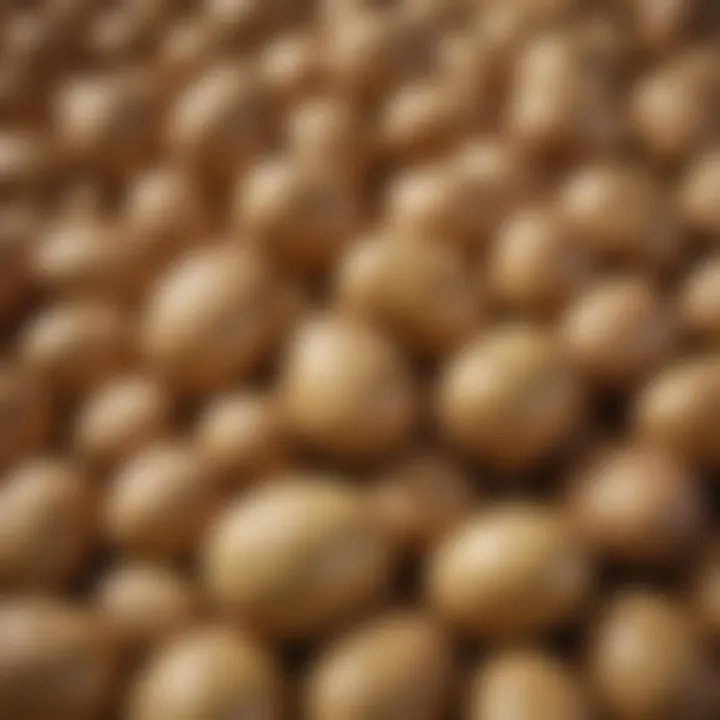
(526, 685)
(424, 297)
(421, 498)
(509, 398)
(160, 501)
(210, 672)
(108, 122)
(699, 301)
(397, 667)
(637, 505)
(145, 604)
(619, 332)
(220, 122)
(679, 409)
(536, 264)
(19, 228)
(345, 389)
(298, 215)
(622, 212)
(47, 515)
(55, 661)
(645, 659)
(122, 416)
(674, 107)
(213, 317)
(296, 556)
(76, 345)
(700, 194)
(244, 435)
(513, 571)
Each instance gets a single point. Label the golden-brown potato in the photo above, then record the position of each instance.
(530, 685)
(396, 667)
(243, 434)
(421, 498)
(699, 301)
(619, 332)
(424, 297)
(145, 604)
(213, 317)
(47, 515)
(122, 416)
(645, 659)
(536, 264)
(637, 505)
(209, 672)
(515, 570)
(509, 398)
(76, 345)
(296, 556)
(300, 216)
(160, 501)
(56, 661)
(679, 409)
(345, 389)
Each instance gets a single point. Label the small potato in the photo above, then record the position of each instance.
(561, 101)
(637, 505)
(513, 571)
(699, 302)
(77, 345)
(243, 434)
(55, 661)
(369, 53)
(296, 557)
(425, 203)
(107, 122)
(83, 254)
(700, 194)
(526, 685)
(47, 516)
(122, 416)
(290, 66)
(327, 132)
(160, 501)
(509, 398)
(213, 317)
(422, 120)
(345, 389)
(674, 107)
(145, 604)
(705, 591)
(164, 213)
(645, 660)
(424, 297)
(679, 409)
(396, 667)
(421, 498)
(619, 332)
(220, 121)
(536, 264)
(210, 672)
(622, 213)
(25, 413)
(301, 216)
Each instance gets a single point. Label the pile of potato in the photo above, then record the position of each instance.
(360, 360)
